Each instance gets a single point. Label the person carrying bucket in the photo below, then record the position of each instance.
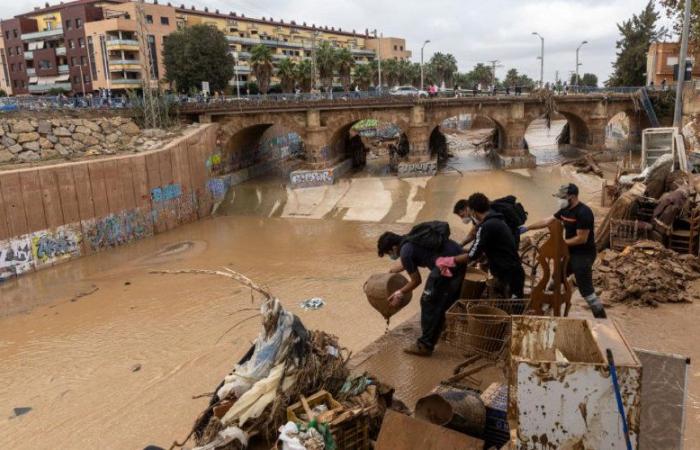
(420, 248)
(494, 239)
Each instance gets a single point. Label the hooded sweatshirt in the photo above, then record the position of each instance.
(495, 239)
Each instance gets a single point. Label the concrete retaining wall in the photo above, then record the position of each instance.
(56, 213)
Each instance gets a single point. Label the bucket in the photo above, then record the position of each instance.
(459, 409)
(486, 328)
(380, 286)
(474, 283)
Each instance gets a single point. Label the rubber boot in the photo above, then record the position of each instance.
(596, 306)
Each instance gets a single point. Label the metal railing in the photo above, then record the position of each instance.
(201, 103)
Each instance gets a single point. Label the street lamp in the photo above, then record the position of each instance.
(379, 58)
(578, 63)
(541, 58)
(421, 63)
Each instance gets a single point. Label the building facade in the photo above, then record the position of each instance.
(661, 59)
(91, 45)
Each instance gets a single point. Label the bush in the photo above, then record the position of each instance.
(275, 89)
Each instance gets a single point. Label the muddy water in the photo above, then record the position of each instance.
(107, 355)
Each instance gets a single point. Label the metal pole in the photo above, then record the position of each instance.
(535, 33)
(678, 111)
(235, 72)
(82, 80)
(313, 60)
(421, 63)
(379, 59)
(578, 79)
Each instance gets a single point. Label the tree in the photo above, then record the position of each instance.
(346, 62)
(587, 80)
(261, 62)
(327, 62)
(480, 74)
(364, 74)
(675, 10)
(287, 73)
(390, 71)
(304, 75)
(512, 78)
(195, 54)
(445, 66)
(3, 93)
(637, 34)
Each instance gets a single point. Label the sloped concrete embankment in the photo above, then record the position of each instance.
(52, 214)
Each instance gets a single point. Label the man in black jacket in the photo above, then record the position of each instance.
(495, 239)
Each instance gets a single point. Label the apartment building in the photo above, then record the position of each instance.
(90, 45)
(5, 84)
(661, 59)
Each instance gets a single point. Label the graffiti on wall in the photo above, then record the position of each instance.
(213, 162)
(117, 229)
(218, 187)
(51, 246)
(15, 257)
(417, 169)
(312, 177)
(166, 193)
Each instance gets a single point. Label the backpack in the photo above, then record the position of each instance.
(514, 213)
(430, 235)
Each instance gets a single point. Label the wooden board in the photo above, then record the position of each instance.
(14, 205)
(401, 432)
(99, 191)
(33, 203)
(664, 384)
(51, 198)
(68, 195)
(83, 191)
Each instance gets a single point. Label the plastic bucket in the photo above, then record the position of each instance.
(474, 283)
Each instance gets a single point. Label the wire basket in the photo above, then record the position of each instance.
(482, 327)
(624, 233)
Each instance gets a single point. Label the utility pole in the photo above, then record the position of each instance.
(494, 64)
(541, 58)
(421, 63)
(578, 80)
(150, 113)
(678, 111)
(82, 79)
(235, 73)
(379, 58)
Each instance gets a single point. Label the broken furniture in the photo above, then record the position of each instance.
(459, 409)
(553, 289)
(685, 231)
(560, 389)
(624, 233)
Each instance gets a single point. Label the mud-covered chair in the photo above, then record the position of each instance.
(553, 289)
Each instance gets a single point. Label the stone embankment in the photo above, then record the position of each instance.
(26, 140)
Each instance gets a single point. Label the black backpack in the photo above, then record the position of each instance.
(514, 213)
(430, 235)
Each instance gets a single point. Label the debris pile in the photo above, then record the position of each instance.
(646, 274)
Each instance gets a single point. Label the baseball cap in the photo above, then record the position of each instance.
(566, 189)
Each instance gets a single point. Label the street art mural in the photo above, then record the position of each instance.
(117, 229)
(15, 257)
(51, 246)
(417, 169)
(165, 193)
(218, 187)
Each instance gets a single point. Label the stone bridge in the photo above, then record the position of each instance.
(324, 125)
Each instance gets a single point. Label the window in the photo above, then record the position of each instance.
(73, 61)
(149, 19)
(21, 66)
(44, 64)
(7, 34)
(81, 42)
(71, 43)
(14, 33)
(83, 61)
(14, 82)
(69, 26)
(401, 48)
(12, 67)
(19, 51)
(76, 79)
(10, 51)
(164, 21)
(671, 60)
(86, 77)
(396, 47)
(78, 23)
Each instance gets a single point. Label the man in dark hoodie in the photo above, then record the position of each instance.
(495, 239)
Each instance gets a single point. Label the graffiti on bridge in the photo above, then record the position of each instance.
(165, 193)
(312, 177)
(217, 187)
(117, 229)
(417, 169)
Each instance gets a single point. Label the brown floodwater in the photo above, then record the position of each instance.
(107, 355)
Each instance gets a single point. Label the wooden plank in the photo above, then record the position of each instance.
(142, 195)
(127, 182)
(83, 191)
(99, 191)
(67, 192)
(115, 197)
(33, 203)
(51, 197)
(4, 225)
(401, 432)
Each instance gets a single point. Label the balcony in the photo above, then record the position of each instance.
(268, 42)
(29, 56)
(60, 51)
(122, 44)
(44, 88)
(124, 62)
(130, 82)
(362, 51)
(242, 70)
(31, 72)
(63, 68)
(43, 35)
(244, 56)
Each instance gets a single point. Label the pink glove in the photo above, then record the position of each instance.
(444, 264)
(396, 298)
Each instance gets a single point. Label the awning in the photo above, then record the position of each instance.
(36, 45)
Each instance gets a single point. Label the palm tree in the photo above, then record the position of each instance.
(287, 72)
(327, 62)
(444, 65)
(304, 75)
(364, 74)
(346, 62)
(390, 71)
(403, 69)
(414, 74)
(261, 60)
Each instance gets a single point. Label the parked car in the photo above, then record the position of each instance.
(409, 91)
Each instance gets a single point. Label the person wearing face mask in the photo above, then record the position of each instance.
(579, 225)
(411, 252)
(460, 209)
(514, 215)
(493, 238)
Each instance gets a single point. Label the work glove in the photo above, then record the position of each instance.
(444, 264)
(396, 299)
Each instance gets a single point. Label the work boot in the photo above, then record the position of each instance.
(596, 306)
(599, 312)
(418, 349)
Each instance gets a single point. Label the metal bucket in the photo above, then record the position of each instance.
(459, 409)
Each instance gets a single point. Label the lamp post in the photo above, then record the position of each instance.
(678, 108)
(578, 81)
(541, 57)
(235, 73)
(421, 63)
(379, 59)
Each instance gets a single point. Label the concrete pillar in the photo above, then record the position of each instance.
(596, 134)
(634, 140)
(316, 145)
(418, 134)
(514, 138)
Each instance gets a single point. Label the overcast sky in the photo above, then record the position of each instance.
(472, 30)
